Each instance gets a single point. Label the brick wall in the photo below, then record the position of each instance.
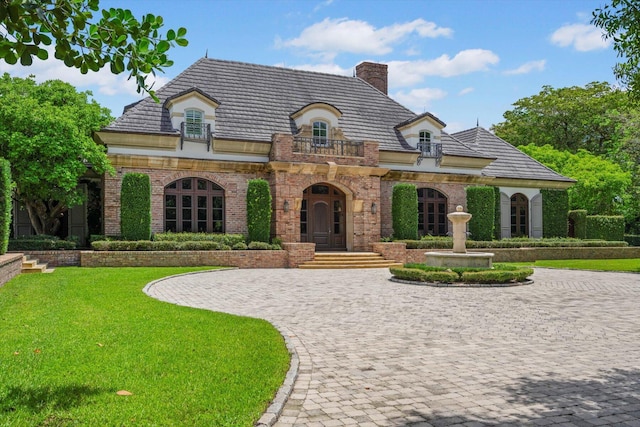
(533, 254)
(282, 151)
(234, 185)
(64, 258)
(10, 266)
(455, 194)
(241, 259)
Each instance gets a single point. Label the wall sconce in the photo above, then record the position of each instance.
(374, 208)
(285, 207)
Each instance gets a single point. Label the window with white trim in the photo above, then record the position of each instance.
(424, 142)
(320, 133)
(194, 120)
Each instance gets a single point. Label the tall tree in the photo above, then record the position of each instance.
(45, 134)
(84, 42)
(620, 21)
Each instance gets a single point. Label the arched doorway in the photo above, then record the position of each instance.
(193, 205)
(432, 212)
(519, 215)
(322, 217)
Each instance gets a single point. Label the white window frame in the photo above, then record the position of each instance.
(320, 133)
(193, 120)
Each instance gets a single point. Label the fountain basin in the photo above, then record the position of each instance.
(452, 259)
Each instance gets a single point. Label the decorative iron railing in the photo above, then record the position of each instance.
(330, 147)
(430, 150)
(195, 132)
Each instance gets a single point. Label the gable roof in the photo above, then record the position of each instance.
(257, 101)
(510, 162)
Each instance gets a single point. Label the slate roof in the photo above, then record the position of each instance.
(510, 162)
(256, 101)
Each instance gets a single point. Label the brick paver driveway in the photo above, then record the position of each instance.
(563, 351)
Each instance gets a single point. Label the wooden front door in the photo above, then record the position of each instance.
(322, 218)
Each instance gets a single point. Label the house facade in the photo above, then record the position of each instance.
(331, 147)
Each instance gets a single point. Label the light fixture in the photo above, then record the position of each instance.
(374, 208)
(285, 207)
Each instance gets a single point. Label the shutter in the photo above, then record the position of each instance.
(536, 216)
(505, 216)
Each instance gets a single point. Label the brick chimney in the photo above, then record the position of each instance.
(374, 74)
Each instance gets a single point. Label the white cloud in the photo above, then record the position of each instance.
(102, 81)
(321, 68)
(528, 67)
(465, 91)
(333, 36)
(322, 4)
(418, 100)
(408, 73)
(582, 37)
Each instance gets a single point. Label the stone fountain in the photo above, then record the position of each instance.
(459, 257)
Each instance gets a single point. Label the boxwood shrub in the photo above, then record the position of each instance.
(481, 204)
(555, 207)
(605, 227)
(225, 239)
(5, 204)
(447, 243)
(579, 219)
(258, 210)
(177, 245)
(500, 273)
(404, 211)
(135, 207)
(632, 239)
(40, 242)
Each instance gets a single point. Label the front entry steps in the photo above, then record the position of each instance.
(33, 266)
(348, 260)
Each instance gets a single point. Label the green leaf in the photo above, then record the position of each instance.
(43, 54)
(182, 32)
(163, 46)
(171, 35)
(182, 42)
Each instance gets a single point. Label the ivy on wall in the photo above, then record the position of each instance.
(258, 210)
(605, 227)
(5, 204)
(481, 205)
(135, 207)
(404, 211)
(555, 207)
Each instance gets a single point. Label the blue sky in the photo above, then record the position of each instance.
(462, 60)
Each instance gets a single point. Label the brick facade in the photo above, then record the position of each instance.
(10, 266)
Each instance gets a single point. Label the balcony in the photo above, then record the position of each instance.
(430, 150)
(328, 147)
(195, 132)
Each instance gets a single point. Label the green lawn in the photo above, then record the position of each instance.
(70, 340)
(629, 265)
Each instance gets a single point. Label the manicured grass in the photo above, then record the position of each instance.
(70, 340)
(630, 265)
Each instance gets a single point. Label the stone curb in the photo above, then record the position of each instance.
(461, 285)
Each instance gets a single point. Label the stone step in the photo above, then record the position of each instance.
(33, 266)
(338, 260)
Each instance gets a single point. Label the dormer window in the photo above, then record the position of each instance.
(424, 142)
(194, 121)
(320, 133)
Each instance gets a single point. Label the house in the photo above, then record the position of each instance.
(331, 147)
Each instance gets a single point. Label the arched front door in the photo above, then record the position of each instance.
(322, 217)
(432, 212)
(519, 215)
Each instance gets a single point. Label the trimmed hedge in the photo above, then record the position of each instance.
(404, 211)
(605, 227)
(499, 274)
(555, 207)
(579, 219)
(225, 239)
(481, 205)
(496, 219)
(174, 245)
(258, 210)
(5, 204)
(632, 239)
(40, 242)
(447, 243)
(135, 207)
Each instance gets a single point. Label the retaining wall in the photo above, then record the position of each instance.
(10, 266)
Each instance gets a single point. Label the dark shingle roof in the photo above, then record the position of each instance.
(510, 162)
(256, 101)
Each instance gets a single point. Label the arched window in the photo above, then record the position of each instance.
(432, 212)
(194, 120)
(519, 215)
(194, 205)
(320, 133)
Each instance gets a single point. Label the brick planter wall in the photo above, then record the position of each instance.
(241, 259)
(10, 266)
(299, 253)
(395, 251)
(64, 258)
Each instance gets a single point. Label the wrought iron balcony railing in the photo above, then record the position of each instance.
(430, 150)
(331, 147)
(195, 132)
